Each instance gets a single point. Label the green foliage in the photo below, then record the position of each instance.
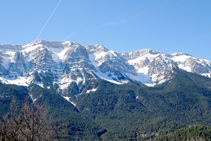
(157, 127)
(131, 108)
(7, 93)
(193, 133)
(114, 107)
(179, 99)
(62, 112)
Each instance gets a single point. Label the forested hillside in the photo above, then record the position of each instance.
(191, 132)
(126, 112)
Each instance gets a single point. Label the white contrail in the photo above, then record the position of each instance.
(48, 19)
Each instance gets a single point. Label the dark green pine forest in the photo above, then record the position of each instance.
(179, 109)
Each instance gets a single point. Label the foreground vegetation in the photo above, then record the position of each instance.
(29, 123)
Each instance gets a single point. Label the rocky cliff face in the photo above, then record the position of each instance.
(63, 66)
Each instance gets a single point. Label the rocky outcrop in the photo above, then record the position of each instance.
(63, 65)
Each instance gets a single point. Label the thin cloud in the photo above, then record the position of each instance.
(48, 19)
(69, 36)
(115, 23)
(108, 24)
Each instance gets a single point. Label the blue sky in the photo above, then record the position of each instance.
(120, 25)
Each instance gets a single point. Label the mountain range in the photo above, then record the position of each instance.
(57, 65)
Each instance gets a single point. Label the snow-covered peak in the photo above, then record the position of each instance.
(58, 49)
(180, 57)
(59, 64)
(95, 49)
(138, 53)
(53, 44)
(36, 42)
(179, 54)
(67, 44)
(104, 56)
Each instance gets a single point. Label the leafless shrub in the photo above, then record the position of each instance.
(30, 124)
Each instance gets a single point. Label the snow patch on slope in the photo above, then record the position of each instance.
(22, 81)
(141, 77)
(6, 62)
(68, 99)
(142, 58)
(92, 90)
(104, 76)
(180, 58)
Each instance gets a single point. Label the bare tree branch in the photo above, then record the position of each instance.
(30, 124)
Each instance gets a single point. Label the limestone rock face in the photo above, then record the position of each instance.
(96, 49)
(63, 66)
